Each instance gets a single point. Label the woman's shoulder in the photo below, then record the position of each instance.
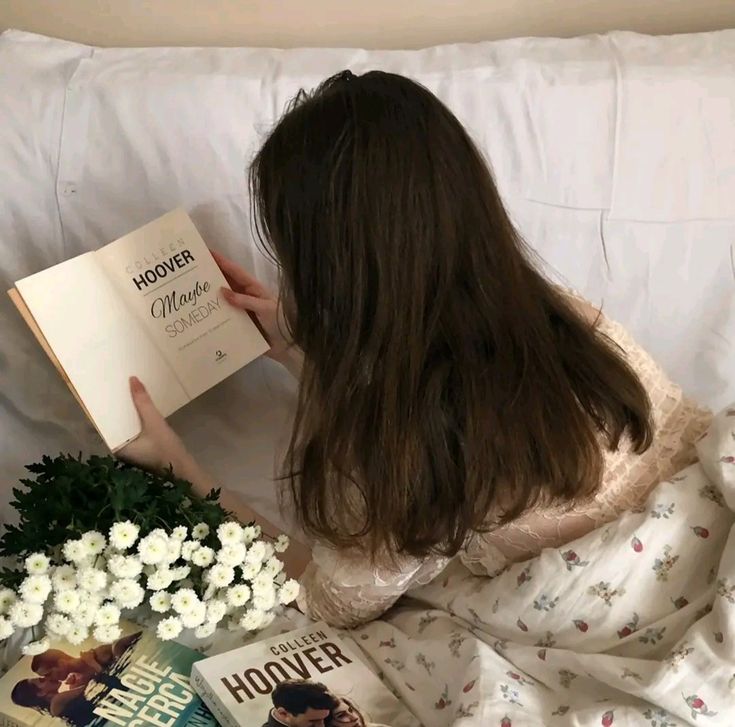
(583, 307)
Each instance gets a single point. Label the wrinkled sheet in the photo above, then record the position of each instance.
(633, 624)
(614, 153)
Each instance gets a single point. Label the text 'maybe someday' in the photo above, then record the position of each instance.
(183, 307)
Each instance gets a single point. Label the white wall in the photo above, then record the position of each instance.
(365, 23)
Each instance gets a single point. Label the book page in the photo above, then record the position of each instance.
(170, 281)
(99, 345)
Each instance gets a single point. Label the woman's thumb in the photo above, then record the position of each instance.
(142, 400)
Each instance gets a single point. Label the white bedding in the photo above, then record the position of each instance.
(633, 624)
(615, 155)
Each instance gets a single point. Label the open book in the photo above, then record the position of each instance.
(146, 305)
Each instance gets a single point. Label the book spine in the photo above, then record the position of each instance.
(207, 695)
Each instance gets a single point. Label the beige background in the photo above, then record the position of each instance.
(366, 23)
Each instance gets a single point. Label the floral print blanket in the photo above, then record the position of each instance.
(633, 624)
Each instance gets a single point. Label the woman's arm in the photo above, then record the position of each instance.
(159, 447)
(295, 559)
(61, 701)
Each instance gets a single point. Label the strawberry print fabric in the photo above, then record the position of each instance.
(633, 624)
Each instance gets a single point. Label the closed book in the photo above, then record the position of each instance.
(136, 681)
(308, 676)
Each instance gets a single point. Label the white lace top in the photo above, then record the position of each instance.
(344, 589)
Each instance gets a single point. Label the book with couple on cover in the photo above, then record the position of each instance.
(304, 678)
(136, 680)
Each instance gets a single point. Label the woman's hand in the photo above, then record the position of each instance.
(250, 295)
(158, 446)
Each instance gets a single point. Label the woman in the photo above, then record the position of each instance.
(45, 695)
(347, 714)
(452, 401)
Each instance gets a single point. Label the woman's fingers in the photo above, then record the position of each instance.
(249, 303)
(237, 276)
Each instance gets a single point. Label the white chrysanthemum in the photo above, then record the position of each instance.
(125, 566)
(123, 535)
(24, 615)
(184, 600)
(107, 615)
(86, 613)
(94, 542)
(256, 553)
(37, 647)
(35, 589)
(181, 572)
(238, 595)
(107, 634)
(180, 533)
(200, 531)
(188, 547)
(58, 624)
(7, 599)
(153, 549)
(64, 578)
(205, 630)
(169, 628)
(262, 583)
(221, 575)
(231, 555)
(289, 591)
(249, 534)
(251, 570)
(67, 601)
(273, 566)
(160, 602)
(6, 628)
(252, 619)
(37, 564)
(160, 580)
(203, 557)
(230, 533)
(128, 593)
(216, 610)
(75, 551)
(92, 580)
(77, 633)
(270, 551)
(265, 600)
(281, 544)
(210, 591)
(173, 550)
(268, 619)
(195, 616)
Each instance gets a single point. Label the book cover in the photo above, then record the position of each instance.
(135, 681)
(148, 305)
(305, 677)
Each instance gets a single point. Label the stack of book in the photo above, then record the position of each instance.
(304, 677)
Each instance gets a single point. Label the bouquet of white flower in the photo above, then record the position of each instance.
(185, 576)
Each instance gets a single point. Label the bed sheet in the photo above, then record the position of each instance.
(636, 212)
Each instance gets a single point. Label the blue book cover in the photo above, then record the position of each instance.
(136, 681)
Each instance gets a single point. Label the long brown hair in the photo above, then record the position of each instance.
(447, 385)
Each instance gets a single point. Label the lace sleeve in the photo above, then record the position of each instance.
(345, 590)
